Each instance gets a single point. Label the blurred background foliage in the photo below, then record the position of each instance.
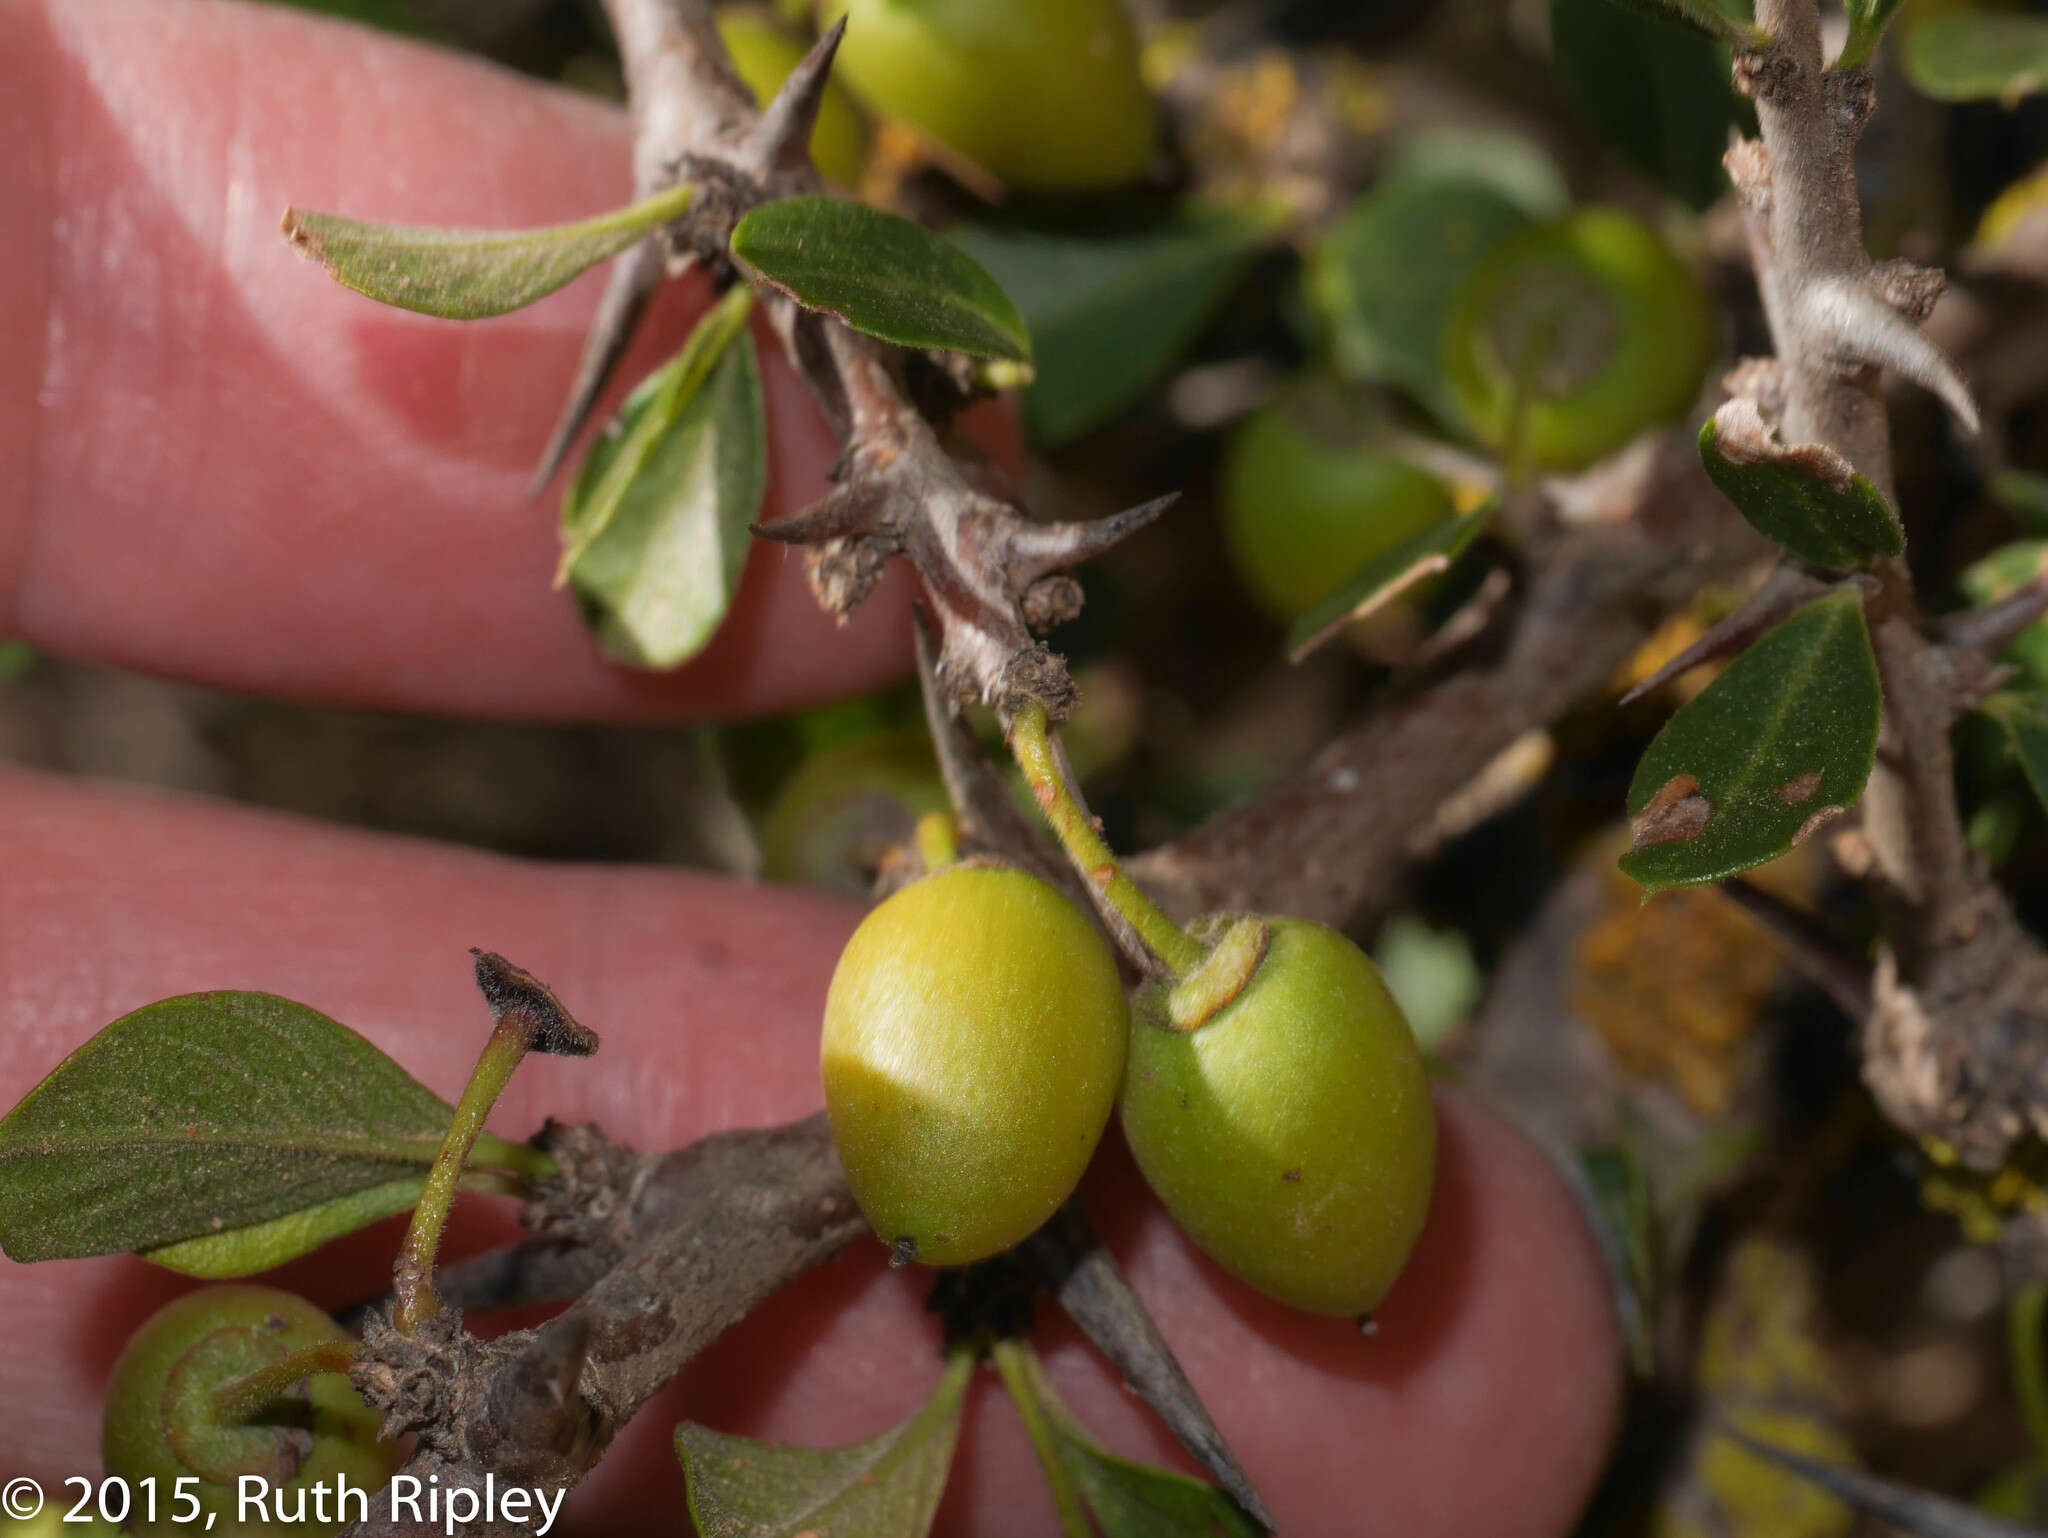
(1257, 324)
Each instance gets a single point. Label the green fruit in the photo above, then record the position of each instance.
(1610, 331)
(764, 52)
(845, 808)
(1291, 1132)
(1042, 94)
(974, 1036)
(160, 1421)
(1302, 513)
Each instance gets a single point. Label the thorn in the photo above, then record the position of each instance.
(1814, 948)
(1918, 1512)
(1784, 590)
(1071, 1262)
(845, 509)
(1857, 326)
(1981, 634)
(782, 137)
(634, 277)
(1038, 548)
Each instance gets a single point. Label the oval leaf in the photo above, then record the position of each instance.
(888, 1487)
(2024, 716)
(1384, 577)
(881, 274)
(201, 1114)
(258, 1247)
(1703, 18)
(1657, 97)
(1772, 749)
(1108, 314)
(469, 274)
(1384, 278)
(1839, 528)
(658, 579)
(2001, 574)
(620, 453)
(1974, 55)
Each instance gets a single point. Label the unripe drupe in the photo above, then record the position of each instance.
(1291, 1132)
(974, 1037)
(164, 1419)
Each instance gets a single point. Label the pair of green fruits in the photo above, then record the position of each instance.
(977, 1037)
(1563, 344)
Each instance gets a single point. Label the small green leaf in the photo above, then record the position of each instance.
(881, 274)
(656, 582)
(1658, 97)
(1703, 18)
(1384, 577)
(1840, 529)
(16, 658)
(2024, 494)
(469, 274)
(1777, 745)
(1867, 21)
(1126, 1499)
(2024, 717)
(385, 15)
(1109, 313)
(1513, 164)
(259, 1246)
(2001, 574)
(619, 455)
(1385, 277)
(888, 1487)
(1974, 55)
(202, 1114)
(1616, 1196)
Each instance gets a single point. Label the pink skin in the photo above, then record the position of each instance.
(174, 443)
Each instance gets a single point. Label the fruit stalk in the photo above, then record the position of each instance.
(527, 1018)
(1045, 771)
(242, 1399)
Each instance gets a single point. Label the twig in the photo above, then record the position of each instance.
(1951, 1044)
(991, 575)
(714, 1229)
(1331, 841)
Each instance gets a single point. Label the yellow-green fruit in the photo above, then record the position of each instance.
(1302, 513)
(764, 52)
(159, 1421)
(1042, 94)
(974, 1037)
(1291, 1134)
(1595, 320)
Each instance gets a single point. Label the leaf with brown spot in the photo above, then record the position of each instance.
(1677, 812)
(1802, 701)
(1804, 496)
(1798, 791)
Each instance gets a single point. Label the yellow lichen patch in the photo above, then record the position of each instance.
(1674, 988)
(1981, 1203)
(1762, 1369)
